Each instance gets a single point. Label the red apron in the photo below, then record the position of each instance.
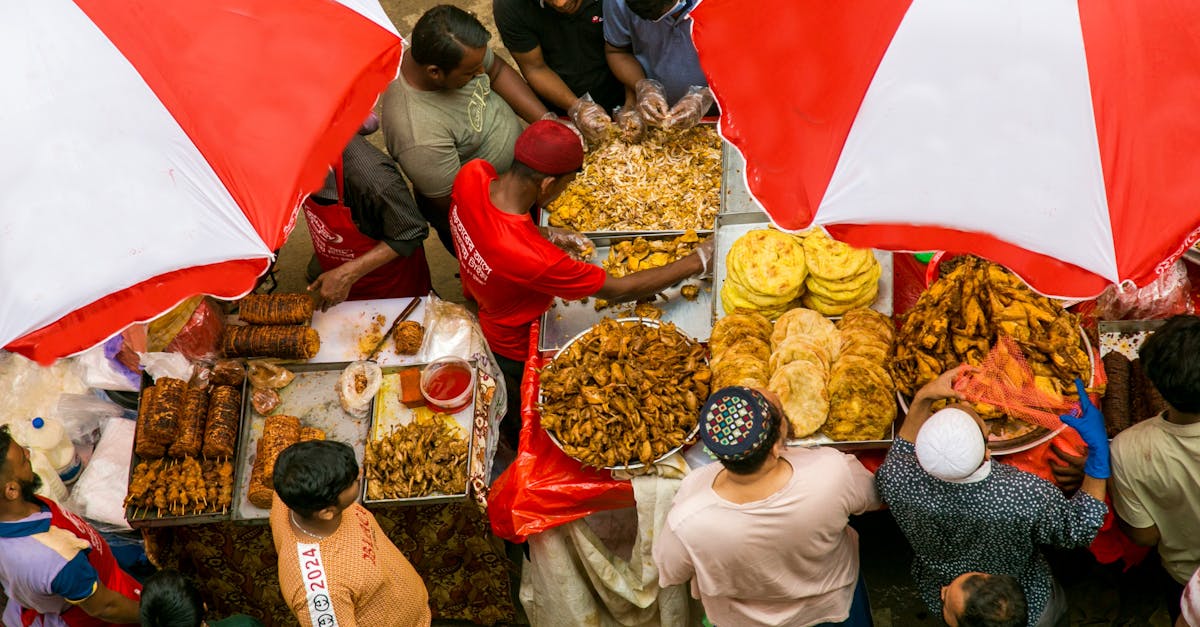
(337, 240)
(100, 557)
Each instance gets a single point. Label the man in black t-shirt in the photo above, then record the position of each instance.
(559, 46)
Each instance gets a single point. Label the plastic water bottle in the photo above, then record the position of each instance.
(48, 437)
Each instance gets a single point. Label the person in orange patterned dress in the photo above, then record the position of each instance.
(336, 566)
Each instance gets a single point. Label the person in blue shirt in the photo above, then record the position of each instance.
(648, 44)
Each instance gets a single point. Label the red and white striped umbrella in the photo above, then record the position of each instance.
(1057, 137)
(158, 149)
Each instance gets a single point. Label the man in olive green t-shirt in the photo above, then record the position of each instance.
(454, 101)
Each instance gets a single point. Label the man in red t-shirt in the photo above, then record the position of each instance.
(510, 267)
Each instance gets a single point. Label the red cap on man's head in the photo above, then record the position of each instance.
(550, 148)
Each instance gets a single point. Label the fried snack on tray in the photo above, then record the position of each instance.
(862, 396)
(191, 428)
(840, 277)
(805, 345)
(308, 434)
(961, 315)
(624, 393)
(425, 457)
(629, 256)
(276, 309)
(279, 432)
(221, 426)
(408, 336)
(764, 272)
(287, 342)
(166, 413)
(144, 446)
(670, 181)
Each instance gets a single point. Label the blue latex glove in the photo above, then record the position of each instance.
(1090, 425)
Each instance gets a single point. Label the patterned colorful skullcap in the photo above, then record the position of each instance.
(734, 422)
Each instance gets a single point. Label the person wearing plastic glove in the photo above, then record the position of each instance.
(591, 119)
(652, 105)
(939, 466)
(514, 271)
(652, 40)
(559, 47)
(1155, 474)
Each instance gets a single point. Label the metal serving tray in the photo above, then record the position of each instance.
(731, 227)
(145, 519)
(312, 397)
(567, 319)
(389, 412)
(689, 440)
(735, 194)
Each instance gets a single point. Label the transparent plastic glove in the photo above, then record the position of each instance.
(651, 101)
(631, 128)
(574, 243)
(689, 109)
(1090, 425)
(706, 250)
(591, 119)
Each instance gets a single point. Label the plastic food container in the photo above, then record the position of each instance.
(448, 384)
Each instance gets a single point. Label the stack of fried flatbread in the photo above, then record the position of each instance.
(740, 345)
(840, 277)
(804, 345)
(862, 396)
(765, 272)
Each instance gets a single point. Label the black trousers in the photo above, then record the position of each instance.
(510, 425)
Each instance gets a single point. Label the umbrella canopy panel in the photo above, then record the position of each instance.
(1048, 135)
(158, 150)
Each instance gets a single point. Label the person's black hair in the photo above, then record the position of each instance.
(1171, 360)
(170, 600)
(309, 476)
(442, 33)
(993, 601)
(6, 441)
(756, 458)
(649, 9)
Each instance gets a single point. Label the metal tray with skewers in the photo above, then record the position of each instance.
(173, 491)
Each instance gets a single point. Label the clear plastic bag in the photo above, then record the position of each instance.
(83, 414)
(451, 330)
(1168, 295)
(265, 374)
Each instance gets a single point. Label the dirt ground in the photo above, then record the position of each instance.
(1099, 595)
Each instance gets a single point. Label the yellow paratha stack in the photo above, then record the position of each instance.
(840, 277)
(765, 272)
(862, 396)
(805, 344)
(741, 345)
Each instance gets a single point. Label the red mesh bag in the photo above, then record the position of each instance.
(1006, 381)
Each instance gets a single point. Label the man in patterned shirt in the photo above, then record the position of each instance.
(964, 513)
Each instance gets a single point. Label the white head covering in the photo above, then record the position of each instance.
(950, 446)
